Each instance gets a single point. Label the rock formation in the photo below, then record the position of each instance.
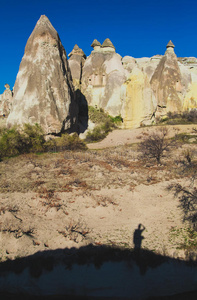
(167, 82)
(96, 45)
(56, 93)
(43, 91)
(6, 101)
(76, 63)
(139, 101)
(102, 78)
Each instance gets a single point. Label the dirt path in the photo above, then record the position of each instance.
(131, 136)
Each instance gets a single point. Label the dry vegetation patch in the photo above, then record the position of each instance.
(73, 198)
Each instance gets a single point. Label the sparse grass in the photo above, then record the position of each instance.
(81, 173)
(185, 138)
(187, 117)
(185, 238)
(79, 170)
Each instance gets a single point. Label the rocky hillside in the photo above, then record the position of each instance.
(55, 93)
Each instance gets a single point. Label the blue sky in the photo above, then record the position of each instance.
(137, 27)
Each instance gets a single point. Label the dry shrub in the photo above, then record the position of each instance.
(105, 201)
(75, 229)
(156, 144)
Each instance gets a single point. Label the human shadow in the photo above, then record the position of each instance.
(137, 237)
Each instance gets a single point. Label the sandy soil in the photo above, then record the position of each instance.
(71, 199)
(131, 136)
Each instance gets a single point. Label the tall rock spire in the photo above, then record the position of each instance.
(43, 91)
(166, 81)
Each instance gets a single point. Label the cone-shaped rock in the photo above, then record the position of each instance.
(166, 81)
(107, 43)
(43, 91)
(95, 43)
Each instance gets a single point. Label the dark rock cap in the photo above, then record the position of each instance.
(170, 44)
(95, 43)
(107, 43)
(7, 86)
(77, 51)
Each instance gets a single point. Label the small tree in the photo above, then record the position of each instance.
(155, 144)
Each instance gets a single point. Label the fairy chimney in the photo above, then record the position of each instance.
(43, 91)
(107, 46)
(170, 46)
(96, 45)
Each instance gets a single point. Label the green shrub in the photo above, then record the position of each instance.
(31, 139)
(104, 124)
(34, 138)
(97, 115)
(65, 142)
(97, 134)
(12, 143)
(117, 120)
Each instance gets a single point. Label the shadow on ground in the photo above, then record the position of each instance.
(46, 261)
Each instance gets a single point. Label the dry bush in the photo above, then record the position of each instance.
(156, 144)
(105, 201)
(75, 229)
(188, 154)
(17, 229)
(50, 199)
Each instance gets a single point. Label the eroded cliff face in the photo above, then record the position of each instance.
(43, 91)
(102, 78)
(138, 89)
(139, 100)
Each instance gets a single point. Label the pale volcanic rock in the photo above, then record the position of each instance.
(76, 62)
(102, 78)
(6, 101)
(190, 99)
(149, 64)
(129, 63)
(43, 91)
(139, 100)
(167, 82)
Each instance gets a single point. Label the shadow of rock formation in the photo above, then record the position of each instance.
(96, 272)
(83, 111)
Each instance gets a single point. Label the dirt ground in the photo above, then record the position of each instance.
(100, 196)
